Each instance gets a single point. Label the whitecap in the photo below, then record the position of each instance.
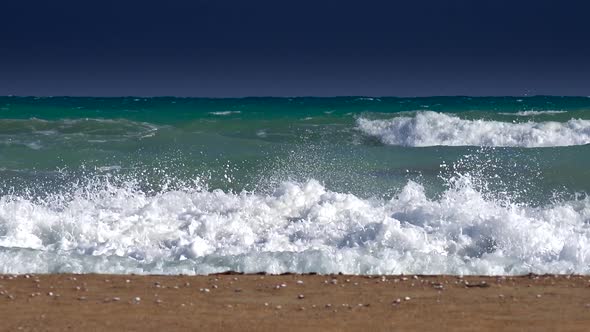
(225, 112)
(298, 228)
(427, 128)
(533, 113)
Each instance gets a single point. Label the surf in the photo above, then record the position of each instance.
(428, 128)
(299, 227)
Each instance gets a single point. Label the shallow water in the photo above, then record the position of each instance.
(356, 185)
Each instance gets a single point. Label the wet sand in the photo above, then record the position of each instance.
(233, 302)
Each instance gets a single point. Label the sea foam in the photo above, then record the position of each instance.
(533, 113)
(225, 112)
(431, 128)
(298, 228)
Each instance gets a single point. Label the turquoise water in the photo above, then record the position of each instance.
(259, 141)
(69, 166)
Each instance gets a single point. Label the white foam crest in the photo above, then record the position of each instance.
(225, 112)
(298, 228)
(533, 113)
(368, 99)
(431, 129)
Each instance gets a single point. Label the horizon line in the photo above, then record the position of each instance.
(293, 97)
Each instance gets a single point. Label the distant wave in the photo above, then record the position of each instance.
(83, 126)
(368, 99)
(225, 112)
(34, 145)
(431, 129)
(533, 113)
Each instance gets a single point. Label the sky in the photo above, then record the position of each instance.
(223, 48)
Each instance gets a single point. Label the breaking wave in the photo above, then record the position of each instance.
(300, 227)
(431, 129)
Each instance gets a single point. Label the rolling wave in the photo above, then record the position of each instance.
(37, 133)
(90, 126)
(431, 129)
(298, 228)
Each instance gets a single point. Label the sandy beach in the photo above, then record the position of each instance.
(236, 302)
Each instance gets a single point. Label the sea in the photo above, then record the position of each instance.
(358, 185)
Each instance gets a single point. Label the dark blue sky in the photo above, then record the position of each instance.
(288, 48)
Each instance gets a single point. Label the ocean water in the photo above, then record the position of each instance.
(356, 185)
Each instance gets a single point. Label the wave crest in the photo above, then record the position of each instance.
(298, 228)
(431, 129)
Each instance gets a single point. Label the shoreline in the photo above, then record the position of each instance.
(294, 302)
